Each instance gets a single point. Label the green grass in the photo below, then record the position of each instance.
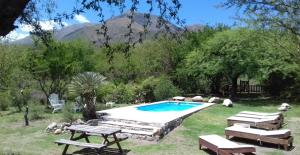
(33, 140)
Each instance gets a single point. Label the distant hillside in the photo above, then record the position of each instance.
(117, 28)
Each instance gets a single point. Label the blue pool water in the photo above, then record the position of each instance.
(169, 106)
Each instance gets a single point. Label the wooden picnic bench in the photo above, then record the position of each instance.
(109, 136)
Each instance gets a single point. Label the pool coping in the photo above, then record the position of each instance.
(155, 118)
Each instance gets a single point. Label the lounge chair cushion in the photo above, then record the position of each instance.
(222, 143)
(247, 119)
(284, 133)
(260, 113)
(273, 117)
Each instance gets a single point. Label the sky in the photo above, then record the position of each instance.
(192, 11)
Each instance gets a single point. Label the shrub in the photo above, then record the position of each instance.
(165, 89)
(125, 94)
(36, 111)
(20, 98)
(68, 115)
(105, 92)
(4, 101)
(147, 88)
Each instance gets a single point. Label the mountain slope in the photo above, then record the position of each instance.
(117, 29)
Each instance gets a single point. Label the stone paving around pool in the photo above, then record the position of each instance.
(145, 125)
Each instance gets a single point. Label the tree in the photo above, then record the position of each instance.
(85, 84)
(279, 65)
(54, 66)
(191, 41)
(283, 14)
(228, 54)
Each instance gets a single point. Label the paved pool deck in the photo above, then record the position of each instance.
(133, 114)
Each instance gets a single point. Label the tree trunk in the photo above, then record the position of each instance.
(233, 87)
(89, 110)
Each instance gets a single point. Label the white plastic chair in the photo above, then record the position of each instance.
(55, 103)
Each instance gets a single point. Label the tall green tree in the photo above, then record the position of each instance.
(228, 54)
(282, 14)
(54, 66)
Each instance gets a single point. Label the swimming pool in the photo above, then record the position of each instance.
(168, 106)
(149, 120)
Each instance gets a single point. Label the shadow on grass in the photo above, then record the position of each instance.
(106, 151)
(260, 102)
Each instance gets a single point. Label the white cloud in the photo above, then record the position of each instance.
(81, 19)
(24, 29)
(46, 25)
(15, 35)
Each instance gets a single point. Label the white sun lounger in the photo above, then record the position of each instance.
(279, 137)
(273, 117)
(263, 123)
(260, 113)
(223, 146)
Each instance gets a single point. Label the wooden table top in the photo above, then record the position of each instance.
(93, 129)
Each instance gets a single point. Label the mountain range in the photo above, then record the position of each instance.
(117, 30)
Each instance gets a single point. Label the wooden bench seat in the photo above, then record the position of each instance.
(79, 144)
(120, 138)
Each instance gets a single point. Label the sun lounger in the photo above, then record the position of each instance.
(260, 113)
(223, 146)
(278, 137)
(178, 98)
(268, 122)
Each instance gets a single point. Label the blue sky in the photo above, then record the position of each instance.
(192, 11)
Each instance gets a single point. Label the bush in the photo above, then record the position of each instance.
(105, 92)
(36, 111)
(20, 99)
(165, 89)
(125, 94)
(68, 115)
(147, 89)
(4, 101)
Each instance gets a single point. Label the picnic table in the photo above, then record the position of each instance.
(109, 136)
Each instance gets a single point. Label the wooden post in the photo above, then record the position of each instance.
(26, 117)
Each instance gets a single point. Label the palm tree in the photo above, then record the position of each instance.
(85, 85)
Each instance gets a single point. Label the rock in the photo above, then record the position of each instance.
(58, 131)
(149, 138)
(178, 98)
(52, 126)
(197, 99)
(227, 103)
(214, 100)
(65, 128)
(79, 121)
(111, 104)
(281, 108)
(285, 105)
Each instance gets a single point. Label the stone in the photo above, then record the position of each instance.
(79, 121)
(227, 103)
(149, 138)
(214, 100)
(111, 104)
(281, 108)
(58, 131)
(197, 99)
(178, 98)
(285, 105)
(52, 126)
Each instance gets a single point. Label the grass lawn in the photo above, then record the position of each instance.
(33, 140)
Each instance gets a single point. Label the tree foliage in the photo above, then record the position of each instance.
(271, 13)
(228, 54)
(53, 66)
